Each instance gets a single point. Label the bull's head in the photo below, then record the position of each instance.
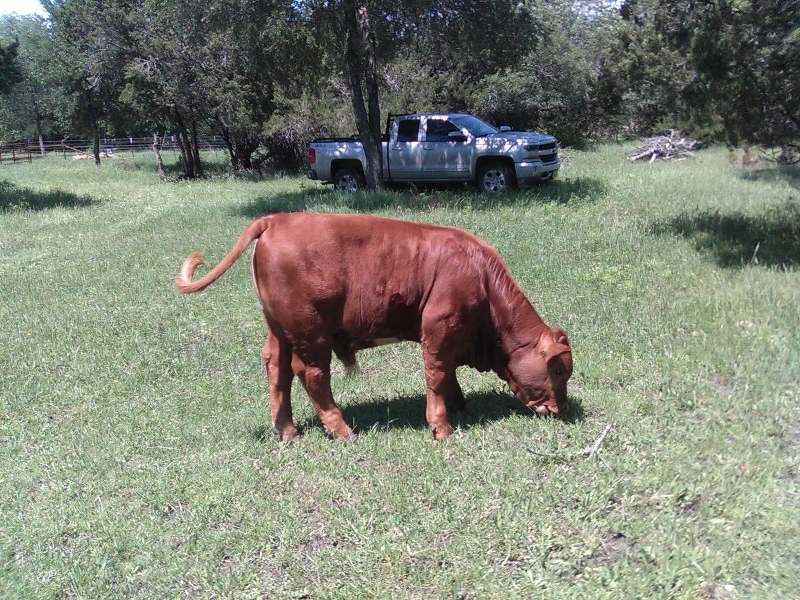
(537, 374)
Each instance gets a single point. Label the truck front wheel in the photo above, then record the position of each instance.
(349, 180)
(495, 177)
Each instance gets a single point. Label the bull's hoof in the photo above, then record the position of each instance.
(287, 434)
(342, 433)
(442, 432)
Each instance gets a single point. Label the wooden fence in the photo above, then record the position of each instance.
(109, 147)
(15, 152)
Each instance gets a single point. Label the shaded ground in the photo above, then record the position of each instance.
(13, 197)
(734, 238)
(560, 191)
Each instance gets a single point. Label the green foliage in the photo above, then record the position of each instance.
(269, 76)
(38, 105)
(9, 71)
(733, 63)
(548, 92)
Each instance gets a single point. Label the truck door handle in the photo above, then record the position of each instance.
(428, 146)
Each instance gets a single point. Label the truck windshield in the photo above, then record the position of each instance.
(474, 125)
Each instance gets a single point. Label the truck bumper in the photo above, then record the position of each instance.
(534, 172)
(312, 174)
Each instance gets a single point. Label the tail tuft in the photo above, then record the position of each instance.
(352, 370)
(184, 281)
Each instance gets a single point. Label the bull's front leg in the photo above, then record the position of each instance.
(437, 379)
(315, 375)
(277, 357)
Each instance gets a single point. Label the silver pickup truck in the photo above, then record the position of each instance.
(441, 148)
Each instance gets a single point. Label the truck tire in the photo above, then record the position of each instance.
(349, 180)
(494, 177)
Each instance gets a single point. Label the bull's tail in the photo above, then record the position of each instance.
(184, 281)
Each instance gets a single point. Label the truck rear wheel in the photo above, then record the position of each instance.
(349, 180)
(495, 177)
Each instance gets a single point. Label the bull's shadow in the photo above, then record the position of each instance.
(408, 412)
(581, 190)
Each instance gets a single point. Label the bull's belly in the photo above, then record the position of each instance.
(386, 341)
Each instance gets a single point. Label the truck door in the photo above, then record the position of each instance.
(405, 151)
(445, 157)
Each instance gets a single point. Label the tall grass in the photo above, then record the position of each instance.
(136, 458)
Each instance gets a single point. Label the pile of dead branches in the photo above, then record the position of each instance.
(664, 147)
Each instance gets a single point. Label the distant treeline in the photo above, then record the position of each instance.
(266, 76)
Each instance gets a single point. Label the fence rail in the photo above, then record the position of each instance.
(109, 147)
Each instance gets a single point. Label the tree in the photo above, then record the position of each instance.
(361, 66)
(746, 54)
(207, 66)
(89, 44)
(37, 104)
(733, 62)
(550, 87)
(9, 72)
(161, 72)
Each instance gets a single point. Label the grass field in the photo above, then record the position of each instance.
(136, 458)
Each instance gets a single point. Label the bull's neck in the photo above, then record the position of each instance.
(517, 322)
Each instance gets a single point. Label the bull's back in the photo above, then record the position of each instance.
(367, 275)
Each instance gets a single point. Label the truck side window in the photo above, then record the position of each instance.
(408, 130)
(438, 130)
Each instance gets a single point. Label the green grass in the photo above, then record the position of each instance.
(136, 459)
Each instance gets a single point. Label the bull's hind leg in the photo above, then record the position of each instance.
(277, 356)
(315, 375)
(454, 397)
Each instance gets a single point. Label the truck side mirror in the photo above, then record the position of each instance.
(456, 136)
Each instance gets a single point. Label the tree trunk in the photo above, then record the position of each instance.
(198, 166)
(360, 40)
(39, 134)
(190, 168)
(96, 144)
(157, 152)
(240, 148)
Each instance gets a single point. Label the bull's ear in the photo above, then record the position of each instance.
(559, 345)
(510, 381)
(560, 336)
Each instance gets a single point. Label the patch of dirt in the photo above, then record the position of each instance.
(174, 509)
(615, 546)
(791, 436)
(316, 544)
(717, 591)
(688, 502)
(721, 384)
